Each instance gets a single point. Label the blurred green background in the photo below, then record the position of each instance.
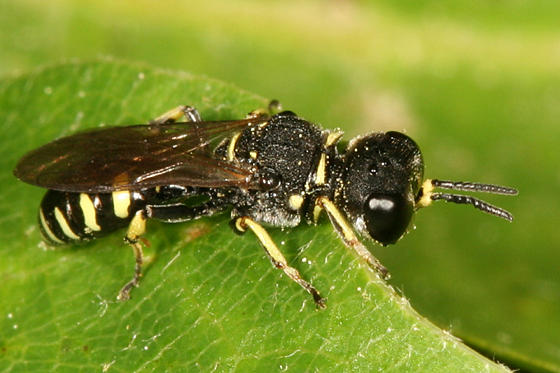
(475, 83)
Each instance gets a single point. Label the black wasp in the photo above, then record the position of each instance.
(277, 170)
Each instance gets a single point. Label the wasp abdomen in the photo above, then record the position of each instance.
(66, 217)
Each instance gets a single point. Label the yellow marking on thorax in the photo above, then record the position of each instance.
(88, 210)
(321, 175)
(50, 234)
(295, 201)
(253, 154)
(427, 189)
(121, 203)
(231, 147)
(64, 224)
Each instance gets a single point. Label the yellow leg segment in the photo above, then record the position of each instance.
(189, 113)
(277, 258)
(136, 228)
(274, 107)
(347, 233)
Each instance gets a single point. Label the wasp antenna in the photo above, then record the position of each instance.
(477, 203)
(473, 187)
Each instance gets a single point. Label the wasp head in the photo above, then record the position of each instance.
(383, 173)
(382, 185)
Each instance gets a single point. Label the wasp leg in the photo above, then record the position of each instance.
(278, 260)
(136, 228)
(349, 237)
(274, 107)
(188, 112)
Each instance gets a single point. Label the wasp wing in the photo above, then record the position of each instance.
(136, 157)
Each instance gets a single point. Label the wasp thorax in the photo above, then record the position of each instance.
(383, 172)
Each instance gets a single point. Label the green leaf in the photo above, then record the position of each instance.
(209, 300)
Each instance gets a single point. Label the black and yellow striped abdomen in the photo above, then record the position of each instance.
(65, 217)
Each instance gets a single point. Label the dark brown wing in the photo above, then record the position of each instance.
(136, 157)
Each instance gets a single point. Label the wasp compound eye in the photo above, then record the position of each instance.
(387, 216)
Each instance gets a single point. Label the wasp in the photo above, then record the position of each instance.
(268, 169)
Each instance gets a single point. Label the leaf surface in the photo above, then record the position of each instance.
(209, 300)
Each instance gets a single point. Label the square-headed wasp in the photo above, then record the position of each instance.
(277, 170)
